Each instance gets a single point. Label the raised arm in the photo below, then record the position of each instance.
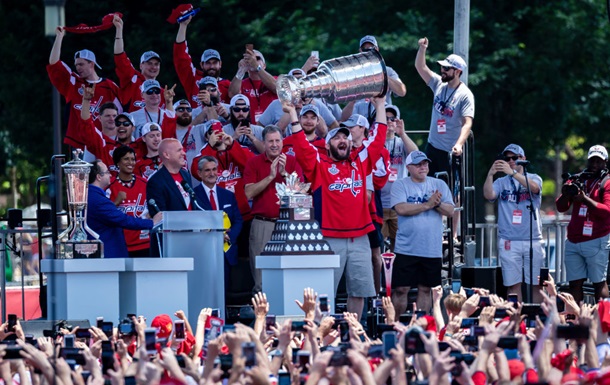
(420, 61)
(56, 50)
(119, 46)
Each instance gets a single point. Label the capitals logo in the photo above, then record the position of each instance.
(134, 207)
(352, 184)
(230, 174)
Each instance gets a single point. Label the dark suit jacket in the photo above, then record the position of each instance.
(162, 188)
(228, 203)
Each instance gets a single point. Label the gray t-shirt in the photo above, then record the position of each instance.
(365, 108)
(446, 123)
(513, 215)
(420, 235)
(398, 170)
(243, 139)
(141, 117)
(274, 112)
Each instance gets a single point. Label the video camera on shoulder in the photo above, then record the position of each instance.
(575, 183)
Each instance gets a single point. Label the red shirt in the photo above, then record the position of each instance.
(189, 76)
(258, 168)
(130, 81)
(318, 143)
(69, 84)
(599, 216)
(186, 196)
(340, 198)
(231, 165)
(146, 167)
(259, 95)
(133, 205)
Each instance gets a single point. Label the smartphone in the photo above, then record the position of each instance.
(295, 356)
(576, 332)
(298, 326)
(500, 313)
(131, 380)
(131, 316)
(69, 341)
(150, 338)
(469, 322)
(324, 303)
(442, 346)
(561, 305)
(469, 292)
(99, 322)
(375, 351)
(228, 329)
(315, 54)
(107, 361)
(344, 331)
(414, 343)
(544, 275)
(531, 310)
(107, 345)
(179, 330)
(249, 47)
(484, 302)
(405, 318)
(269, 322)
(12, 322)
(216, 313)
(389, 343)
(456, 285)
(13, 352)
(249, 352)
(107, 328)
(303, 360)
(181, 362)
(82, 333)
(377, 303)
(339, 358)
(508, 343)
(514, 298)
(283, 379)
(73, 354)
(226, 363)
(420, 313)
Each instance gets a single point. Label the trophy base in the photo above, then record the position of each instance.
(79, 249)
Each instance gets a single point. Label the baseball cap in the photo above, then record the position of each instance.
(181, 102)
(309, 108)
(146, 56)
(208, 80)
(148, 127)
(515, 149)
(164, 325)
(150, 84)
(127, 116)
(356, 120)
(598, 150)
(210, 54)
(237, 97)
(369, 39)
(332, 133)
(454, 61)
(259, 54)
(87, 55)
(416, 157)
(394, 109)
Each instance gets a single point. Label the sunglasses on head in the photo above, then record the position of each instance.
(155, 91)
(445, 68)
(242, 109)
(124, 123)
(182, 109)
(509, 158)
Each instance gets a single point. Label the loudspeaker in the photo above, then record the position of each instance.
(484, 277)
(36, 327)
(15, 218)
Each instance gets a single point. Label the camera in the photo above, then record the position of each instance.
(575, 183)
(126, 327)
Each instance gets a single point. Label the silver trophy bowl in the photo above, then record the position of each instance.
(338, 80)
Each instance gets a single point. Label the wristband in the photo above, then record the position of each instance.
(294, 124)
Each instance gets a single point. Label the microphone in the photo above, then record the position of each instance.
(522, 163)
(152, 203)
(187, 187)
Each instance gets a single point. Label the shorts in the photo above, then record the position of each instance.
(355, 259)
(375, 237)
(588, 259)
(390, 223)
(516, 260)
(412, 271)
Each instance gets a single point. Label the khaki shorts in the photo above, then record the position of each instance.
(355, 259)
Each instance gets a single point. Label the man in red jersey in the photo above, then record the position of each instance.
(340, 200)
(211, 65)
(309, 117)
(128, 192)
(148, 164)
(69, 83)
(262, 173)
(130, 79)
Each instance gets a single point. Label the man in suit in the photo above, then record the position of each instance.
(213, 197)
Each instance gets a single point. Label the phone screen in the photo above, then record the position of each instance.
(179, 325)
(456, 284)
(324, 303)
(150, 338)
(389, 342)
(269, 322)
(544, 275)
(12, 321)
(249, 352)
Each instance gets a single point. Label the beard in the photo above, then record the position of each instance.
(184, 121)
(235, 121)
(334, 153)
(446, 78)
(213, 73)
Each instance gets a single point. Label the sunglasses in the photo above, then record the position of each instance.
(155, 91)
(509, 158)
(242, 109)
(124, 123)
(212, 89)
(445, 68)
(391, 119)
(182, 109)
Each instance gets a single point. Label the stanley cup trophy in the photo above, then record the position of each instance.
(338, 80)
(73, 242)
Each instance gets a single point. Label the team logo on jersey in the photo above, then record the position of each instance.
(333, 170)
(93, 107)
(148, 172)
(352, 184)
(135, 207)
(229, 174)
(291, 152)
(354, 165)
(139, 103)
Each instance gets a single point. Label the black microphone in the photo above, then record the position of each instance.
(152, 203)
(187, 187)
(522, 163)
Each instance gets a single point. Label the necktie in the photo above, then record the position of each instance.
(213, 201)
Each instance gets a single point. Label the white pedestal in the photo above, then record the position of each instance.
(153, 286)
(285, 277)
(83, 288)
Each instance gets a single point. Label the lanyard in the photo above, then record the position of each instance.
(184, 140)
(516, 190)
(450, 96)
(151, 119)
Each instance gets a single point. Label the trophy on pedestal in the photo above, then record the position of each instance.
(338, 80)
(296, 231)
(73, 242)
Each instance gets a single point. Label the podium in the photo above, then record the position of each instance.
(198, 235)
(83, 288)
(153, 286)
(285, 277)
